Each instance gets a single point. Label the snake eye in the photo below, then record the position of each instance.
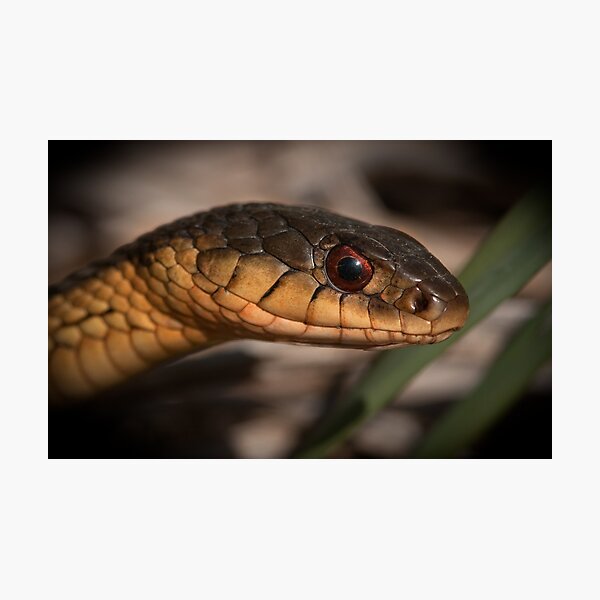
(348, 270)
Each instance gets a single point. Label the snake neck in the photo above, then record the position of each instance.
(109, 326)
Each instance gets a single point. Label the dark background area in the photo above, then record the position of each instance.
(451, 194)
(517, 166)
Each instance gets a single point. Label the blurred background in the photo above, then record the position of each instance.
(252, 399)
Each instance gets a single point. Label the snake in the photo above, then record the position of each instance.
(262, 271)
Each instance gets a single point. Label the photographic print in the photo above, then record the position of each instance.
(274, 299)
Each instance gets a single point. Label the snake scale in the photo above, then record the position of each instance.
(261, 271)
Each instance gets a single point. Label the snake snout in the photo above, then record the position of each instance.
(442, 302)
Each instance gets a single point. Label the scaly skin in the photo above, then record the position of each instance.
(242, 271)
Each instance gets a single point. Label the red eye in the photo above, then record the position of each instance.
(348, 270)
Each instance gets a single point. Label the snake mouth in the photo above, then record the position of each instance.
(421, 318)
(407, 329)
(433, 320)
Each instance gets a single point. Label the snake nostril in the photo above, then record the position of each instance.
(420, 302)
(412, 301)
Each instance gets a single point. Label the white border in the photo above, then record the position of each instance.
(272, 529)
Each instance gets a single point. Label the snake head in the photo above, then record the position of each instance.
(305, 275)
(407, 290)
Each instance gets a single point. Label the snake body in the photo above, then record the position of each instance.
(261, 271)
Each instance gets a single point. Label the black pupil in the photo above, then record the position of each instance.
(350, 268)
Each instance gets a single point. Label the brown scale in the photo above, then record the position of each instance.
(256, 271)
